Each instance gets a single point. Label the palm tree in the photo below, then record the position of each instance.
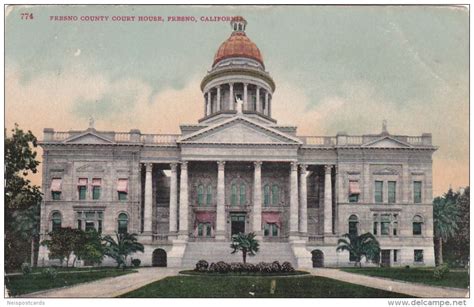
(245, 243)
(125, 245)
(359, 246)
(445, 218)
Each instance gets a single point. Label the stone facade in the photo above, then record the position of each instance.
(238, 170)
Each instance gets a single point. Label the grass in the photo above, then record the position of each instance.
(22, 284)
(455, 279)
(248, 287)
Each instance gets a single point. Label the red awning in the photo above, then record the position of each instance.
(96, 182)
(56, 184)
(82, 182)
(271, 218)
(205, 217)
(122, 185)
(354, 187)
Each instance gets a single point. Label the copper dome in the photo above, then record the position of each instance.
(238, 45)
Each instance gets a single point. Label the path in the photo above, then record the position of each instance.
(109, 287)
(417, 290)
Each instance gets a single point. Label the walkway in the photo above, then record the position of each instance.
(109, 287)
(417, 290)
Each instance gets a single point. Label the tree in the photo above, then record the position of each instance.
(446, 216)
(90, 247)
(125, 245)
(22, 199)
(63, 242)
(246, 243)
(365, 245)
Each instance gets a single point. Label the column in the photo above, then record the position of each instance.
(148, 209)
(327, 200)
(220, 218)
(303, 214)
(257, 199)
(266, 104)
(294, 199)
(174, 198)
(183, 201)
(231, 96)
(218, 98)
(209, 104)
(258, 99)
(246, 107)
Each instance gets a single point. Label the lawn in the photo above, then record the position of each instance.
(455, 279)
(250, 286)
(22, 284)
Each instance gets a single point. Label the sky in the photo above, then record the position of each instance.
(336, 68)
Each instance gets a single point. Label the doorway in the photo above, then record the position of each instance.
(317, 258)
(159, 258)
(385, 258)
(237, 224)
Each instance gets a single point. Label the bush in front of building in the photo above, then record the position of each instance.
(287, 267)
(50, 273)
(441, 271)
(136, 262)
(25, 268)
(222, 267)
(212, 268)
(201, 266)
(276, 267)
(238, 267)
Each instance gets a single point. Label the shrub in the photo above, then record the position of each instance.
(212, 268)
(237, 267)
(50, 273)
(276, 267)
(287, 267)
(222, 267)
(249, 267)
(25, 268)
(201, 266)
(407, 267)
(441, 271)
(264, 267)
(136, 262)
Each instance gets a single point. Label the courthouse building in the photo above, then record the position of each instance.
(238, 170)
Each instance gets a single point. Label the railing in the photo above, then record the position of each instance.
(319, 140)
(160, 237)
(159, 138)
(317, 238)
(60, 136)
(357, 140)
(122, 137)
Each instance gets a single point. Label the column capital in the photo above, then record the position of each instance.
(220, 165)
(328, 167)
(149, 167)
(303, 166)
(184, 164)
(245, 84)
(231, 83)
(294, 166)
(174, 166)
(257, 164)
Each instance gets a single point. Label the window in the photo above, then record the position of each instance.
(233, 200)
(395, 228)
(122, 189)
(55, 221)
(122, 223)
(275, 195)
(242, 194)
(392, 192)
(376, 226)
(418, 255)
(378, 191)
(56, 188)
(417, 192)
(89, 220)
(417, 225)
(82, 188)
(200, 195)
(270, 230)
(204, 230)
(209, 195)
(395, 255)
(96, 188)
(353, 225)
(354, 191)
(385, 225)
(266, 195)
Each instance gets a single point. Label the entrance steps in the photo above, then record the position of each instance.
(221, 251)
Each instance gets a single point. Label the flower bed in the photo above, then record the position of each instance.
(238, 268)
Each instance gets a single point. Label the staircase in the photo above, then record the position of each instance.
(221, 251)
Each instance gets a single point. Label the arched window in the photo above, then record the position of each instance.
(200, 195)
(266, 195)
(209, 195)
(56, 221)
(233, 200)
(275, 195)
(417, 225)
(243, 201)
(122, 223)
(353, 225)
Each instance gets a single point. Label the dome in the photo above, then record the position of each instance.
(238, 45)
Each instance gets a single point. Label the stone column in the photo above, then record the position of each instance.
(174, 198)
(183, 202)
(327, 200)
(246, 107)
(218, 107)
(209, 103)
(266, 104)
(148, 208)
(258, 99)
(231, 96)
(303, 214)
(294, 200)
(257, 199)
(220, 218)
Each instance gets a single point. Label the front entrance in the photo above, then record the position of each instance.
(159, 258)
(237, 224)
(385, 258)
(317, 258)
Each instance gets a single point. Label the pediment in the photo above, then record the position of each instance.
(239, 130)
(88, 138)
(387, 142)
(386, 171)
(90, 168)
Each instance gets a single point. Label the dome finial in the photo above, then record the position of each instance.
(238, 24)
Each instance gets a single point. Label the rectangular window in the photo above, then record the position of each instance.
(274, 230)
(208, 230)
(209, 196)
(378, 191)
(395, 255)
(392, 192)
(376, 226)
(242, 195)
(82, 188)
(56, 195)
(275, 195)
(385, 228)
(56, 188)
(417, 192)
(200, 230)
(354, 198)
(96, 188)
(416, 228)
(395, 228)
(266, 230)
(90, 226)
(418, 255)
(353, 228)
(354, 191)
(122, 189)
(79, 224)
